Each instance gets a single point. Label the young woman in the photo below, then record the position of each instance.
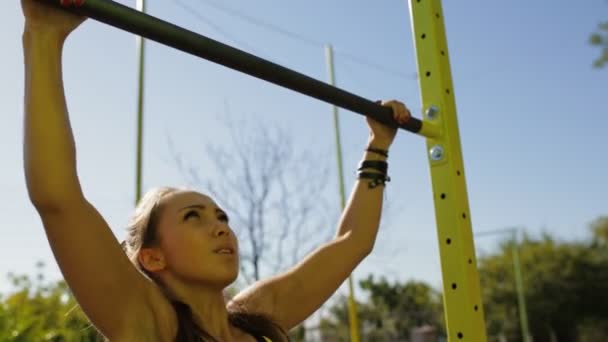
(180, 251)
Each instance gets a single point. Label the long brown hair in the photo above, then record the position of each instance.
(142, 232)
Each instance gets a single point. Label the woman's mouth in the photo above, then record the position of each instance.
(224, 250)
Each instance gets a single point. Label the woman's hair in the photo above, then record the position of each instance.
(142, 232)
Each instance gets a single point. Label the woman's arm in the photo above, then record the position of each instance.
(294, 295)
(105, 283)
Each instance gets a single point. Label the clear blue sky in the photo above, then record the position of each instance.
(532, 113)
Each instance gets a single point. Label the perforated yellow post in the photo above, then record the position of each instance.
(461, 291)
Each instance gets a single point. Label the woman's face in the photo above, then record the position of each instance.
(196, 240)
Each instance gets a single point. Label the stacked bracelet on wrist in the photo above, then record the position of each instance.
(377, 151)
(376, 178)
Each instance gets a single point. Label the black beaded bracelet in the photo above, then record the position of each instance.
(377, 151)
(378, 165)
(376, 178)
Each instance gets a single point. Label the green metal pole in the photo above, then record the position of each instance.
(519, 284)
(523, 312)
(352, 305)
(141, 46)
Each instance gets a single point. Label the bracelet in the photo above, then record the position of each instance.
(378, 165)
(376, 178)
(377, 151)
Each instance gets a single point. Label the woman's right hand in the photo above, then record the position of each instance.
(42, 17)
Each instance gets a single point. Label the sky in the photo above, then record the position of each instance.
(532, 113)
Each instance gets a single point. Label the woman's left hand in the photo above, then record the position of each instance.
(382, 136)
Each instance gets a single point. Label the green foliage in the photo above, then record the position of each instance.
(298, 334)
(335, 327)
(599, 229)
(566, 290)
(390, 314)
(42, 311)
(600, 39)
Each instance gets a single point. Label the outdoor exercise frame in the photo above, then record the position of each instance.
(461, 288)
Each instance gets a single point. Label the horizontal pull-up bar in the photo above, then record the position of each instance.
(147, 26)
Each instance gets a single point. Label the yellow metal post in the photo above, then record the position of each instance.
(461, 289)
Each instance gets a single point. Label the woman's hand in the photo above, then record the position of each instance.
(380, 135)
(41, 17)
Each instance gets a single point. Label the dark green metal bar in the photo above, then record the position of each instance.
(128, 19)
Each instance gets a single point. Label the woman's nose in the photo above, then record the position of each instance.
(221, 229)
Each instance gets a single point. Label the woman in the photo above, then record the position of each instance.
(180, 251)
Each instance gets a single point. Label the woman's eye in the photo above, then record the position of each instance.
(224, 218)
(191, 213)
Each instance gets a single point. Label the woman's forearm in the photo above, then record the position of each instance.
(49, 152)
(361, 216)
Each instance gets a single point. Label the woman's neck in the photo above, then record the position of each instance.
(208, 307)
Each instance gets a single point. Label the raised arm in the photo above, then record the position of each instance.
(294, 295)
(105, 283)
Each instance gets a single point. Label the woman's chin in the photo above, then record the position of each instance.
(225, 278)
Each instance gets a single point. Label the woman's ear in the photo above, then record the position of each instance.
(152, 259)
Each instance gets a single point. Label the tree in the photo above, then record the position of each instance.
(599, 229)
(600, 39)
(39, 310)
(273, 195)
(390, 314)
(566, 290)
